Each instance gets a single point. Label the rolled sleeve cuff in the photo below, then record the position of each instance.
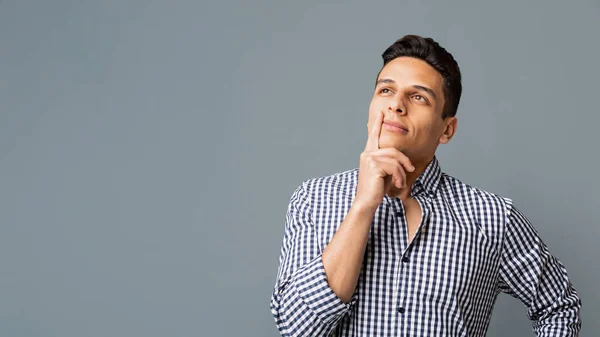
(312, 286)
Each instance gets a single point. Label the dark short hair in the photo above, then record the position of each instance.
(428, 50)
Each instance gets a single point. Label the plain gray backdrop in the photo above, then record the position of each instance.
(148, 149)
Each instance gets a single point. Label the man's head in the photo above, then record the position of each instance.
(418, 88)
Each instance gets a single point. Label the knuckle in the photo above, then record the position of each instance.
(367, 159)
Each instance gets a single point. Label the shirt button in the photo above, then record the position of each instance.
(401, 310)
(405, 259)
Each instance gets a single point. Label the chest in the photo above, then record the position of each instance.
(417, 242)
(413, 214)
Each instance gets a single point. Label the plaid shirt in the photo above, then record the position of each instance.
(470, 246)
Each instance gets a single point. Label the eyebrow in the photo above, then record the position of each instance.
(416, 86)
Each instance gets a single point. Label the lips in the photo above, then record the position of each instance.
(396, 125)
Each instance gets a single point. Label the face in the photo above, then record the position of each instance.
(410, 94)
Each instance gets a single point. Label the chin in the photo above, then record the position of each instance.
(386, 142)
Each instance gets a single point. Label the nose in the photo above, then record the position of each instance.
(395, 107)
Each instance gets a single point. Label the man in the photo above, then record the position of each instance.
(399, 248)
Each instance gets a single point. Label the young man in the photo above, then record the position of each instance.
(399, 248)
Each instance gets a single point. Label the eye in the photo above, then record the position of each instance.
(385, 91)
(420, 98)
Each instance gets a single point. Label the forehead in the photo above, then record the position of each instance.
(408, 71)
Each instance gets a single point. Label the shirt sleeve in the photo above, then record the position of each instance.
(302, 302)
(530, 273)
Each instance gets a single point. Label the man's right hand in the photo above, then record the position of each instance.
(379, 169)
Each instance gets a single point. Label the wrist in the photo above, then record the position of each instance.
(363, 209)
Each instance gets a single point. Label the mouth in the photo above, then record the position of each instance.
(395, 127)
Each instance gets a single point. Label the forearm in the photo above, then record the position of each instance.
(343, 256)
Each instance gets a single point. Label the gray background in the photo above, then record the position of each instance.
(148, 149)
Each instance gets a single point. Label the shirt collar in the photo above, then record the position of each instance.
(429, 181)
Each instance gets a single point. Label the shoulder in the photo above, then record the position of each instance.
(344, 182)
(474, 198)
(338, 184)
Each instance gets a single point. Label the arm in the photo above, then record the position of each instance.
(380, 169)
(530, 273)
(314, 288)
(303, 303)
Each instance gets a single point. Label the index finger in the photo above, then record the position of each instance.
(373, 138)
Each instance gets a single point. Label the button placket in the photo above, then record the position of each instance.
(401, 273)
(426, 208)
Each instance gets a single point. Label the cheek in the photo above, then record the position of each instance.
(372, 109)
(427, 130)
(433, 132)
(377, 103)
(371, 117)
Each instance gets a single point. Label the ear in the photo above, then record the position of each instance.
(451, 124)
